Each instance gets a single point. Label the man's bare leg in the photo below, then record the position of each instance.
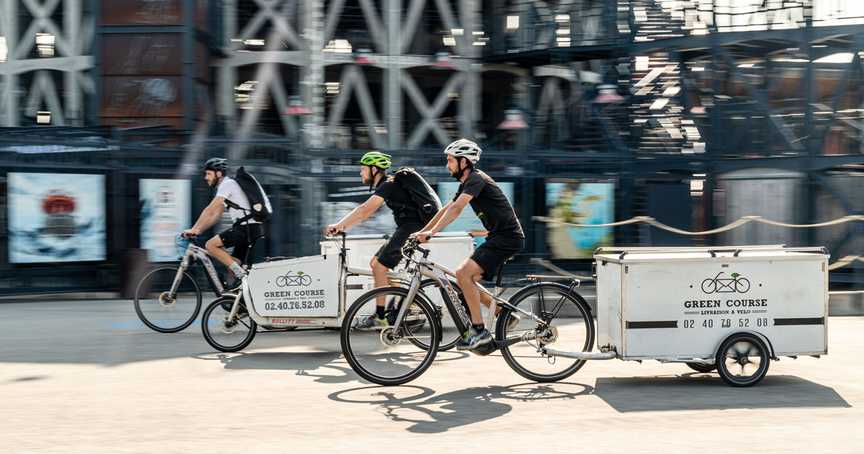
(379, 275)
(215, 248)
(467, 275)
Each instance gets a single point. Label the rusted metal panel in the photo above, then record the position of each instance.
(142, 12)
(144, 54)
(125, 96)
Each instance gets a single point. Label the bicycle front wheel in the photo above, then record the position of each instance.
(161, 310)
(567, 325)
(381, 354)
(223, 332)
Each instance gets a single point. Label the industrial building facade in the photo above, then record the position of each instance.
(684, 109)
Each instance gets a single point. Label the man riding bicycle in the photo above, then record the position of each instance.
(241, 233)
(406, 213)
(504, 240)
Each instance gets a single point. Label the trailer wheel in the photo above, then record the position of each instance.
(742, 360)
(701, 367)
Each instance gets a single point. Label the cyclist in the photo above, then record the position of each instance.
(505, 237)
(241, 233)
(406, 213)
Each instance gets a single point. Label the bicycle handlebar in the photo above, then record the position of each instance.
(412, 245)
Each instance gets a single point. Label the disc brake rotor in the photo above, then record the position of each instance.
(389, 337)
(166, 300)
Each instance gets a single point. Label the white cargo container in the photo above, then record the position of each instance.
(314, 291)
(732, 308)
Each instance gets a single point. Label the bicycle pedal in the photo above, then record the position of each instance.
(486, 349)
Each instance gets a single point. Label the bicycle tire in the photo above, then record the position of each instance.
(208, 336)
(522, 295)
(348, 330)
(154, 324)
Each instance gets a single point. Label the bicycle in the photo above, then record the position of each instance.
(405, 350)
(174, 309)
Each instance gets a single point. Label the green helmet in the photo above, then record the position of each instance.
(376, 159)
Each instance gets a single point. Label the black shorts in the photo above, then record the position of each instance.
(494, 252)
(390, 254)
(241, 237)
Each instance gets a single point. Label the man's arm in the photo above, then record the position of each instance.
(359, 214)
(454, 209)
(435, 218)
(209, 217)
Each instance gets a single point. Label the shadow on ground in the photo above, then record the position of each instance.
(708, 392)
(109, 333)
(429, 412)
(317, 365)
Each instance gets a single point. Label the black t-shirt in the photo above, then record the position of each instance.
(405, 211)
(490, 205)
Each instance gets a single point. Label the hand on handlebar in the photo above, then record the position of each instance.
(190, 233)
(333, 229)
(423, 236)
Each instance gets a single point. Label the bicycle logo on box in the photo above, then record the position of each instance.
(294, 280)
(719, 284)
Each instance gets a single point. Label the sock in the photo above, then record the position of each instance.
(478, 327)
(379, 311)
(237, 270)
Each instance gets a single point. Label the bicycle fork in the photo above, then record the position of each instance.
(184, 265)
(403, 307)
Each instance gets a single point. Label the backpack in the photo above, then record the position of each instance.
(261, 209)
(419, 192)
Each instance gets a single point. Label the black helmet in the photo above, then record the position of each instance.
(216, 165)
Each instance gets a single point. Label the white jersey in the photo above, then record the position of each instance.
(230, 190)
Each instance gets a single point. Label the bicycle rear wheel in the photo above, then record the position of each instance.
(568, 325)
(224, 334)
(161, 311)
(386, 356)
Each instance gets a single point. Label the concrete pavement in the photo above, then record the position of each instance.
(86, 376)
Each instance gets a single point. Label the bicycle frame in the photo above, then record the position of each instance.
(423, 267)
(197, 253)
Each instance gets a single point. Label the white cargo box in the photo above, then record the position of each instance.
(447, 249)
(680, 303)
(307, 291)
(301, 287)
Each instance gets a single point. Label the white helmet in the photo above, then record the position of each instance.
(464, 148)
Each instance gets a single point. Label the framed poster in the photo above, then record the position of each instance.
(56, 217)
(579, 203)
(468, 220)
(165, 211)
